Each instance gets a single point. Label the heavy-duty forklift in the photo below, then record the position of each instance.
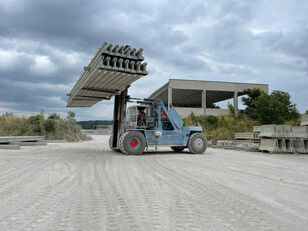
(150, 124)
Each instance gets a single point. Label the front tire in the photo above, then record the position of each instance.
(110, 145)
(132, 143)
(197, 143)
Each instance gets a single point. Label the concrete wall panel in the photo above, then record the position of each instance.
(268, 131)
(300, 131)
(270, 145)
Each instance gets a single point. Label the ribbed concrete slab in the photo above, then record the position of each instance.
(3, 146)
(110, 71)
(29, 143)
(243, 135)
(9, 139)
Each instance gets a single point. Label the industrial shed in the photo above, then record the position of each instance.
(195, 95)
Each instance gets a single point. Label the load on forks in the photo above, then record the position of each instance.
(150, 124)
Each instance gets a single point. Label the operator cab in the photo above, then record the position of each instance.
(138, 117)
(145, 117)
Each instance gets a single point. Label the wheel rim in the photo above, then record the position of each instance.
(198, 143)
(134, 143)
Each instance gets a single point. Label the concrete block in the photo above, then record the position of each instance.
(304, 120)
(225, 143)
(299, 146)
(248, 146)
(270, 145)
(300, 131)
(287, 130)
(288, 145)
(306, 146)
(268, 131)
(281, 145)
(280, 130)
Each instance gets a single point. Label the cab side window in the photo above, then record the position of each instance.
(165, 122)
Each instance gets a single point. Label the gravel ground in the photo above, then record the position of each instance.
(85, 186)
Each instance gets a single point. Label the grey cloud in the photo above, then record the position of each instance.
(229, 40)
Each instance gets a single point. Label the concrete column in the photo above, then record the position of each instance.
(169, 97)
(203, 100)
(235, 102)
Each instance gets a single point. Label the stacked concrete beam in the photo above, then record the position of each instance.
(110, 71)
(246, 138)
(284, 138)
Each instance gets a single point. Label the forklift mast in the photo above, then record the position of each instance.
(119, 110)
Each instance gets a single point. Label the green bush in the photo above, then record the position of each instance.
(221, 127)
(53, 127)
(50, 126)
(35, 124)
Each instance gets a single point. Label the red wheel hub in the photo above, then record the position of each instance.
(134, 143)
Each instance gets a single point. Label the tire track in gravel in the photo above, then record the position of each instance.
(289, 202)
(146, 212)
(110, 219)
(21, 172)
(39, 208)
(182, 212)
(118, 198)
(225, 204)
(32, 183)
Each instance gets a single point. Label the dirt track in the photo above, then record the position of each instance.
(84, 186)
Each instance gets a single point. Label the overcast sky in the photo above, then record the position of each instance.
(44, 45)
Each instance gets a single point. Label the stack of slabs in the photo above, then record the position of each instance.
(110, 71)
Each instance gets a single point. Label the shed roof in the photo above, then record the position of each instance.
(188, 93)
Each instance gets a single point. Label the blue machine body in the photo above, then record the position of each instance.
(157, 135)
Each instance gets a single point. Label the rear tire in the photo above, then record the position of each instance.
(132, 143)
(110, 145)
(177, 148)
(197, 143)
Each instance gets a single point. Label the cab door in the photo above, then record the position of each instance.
(171, 135)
